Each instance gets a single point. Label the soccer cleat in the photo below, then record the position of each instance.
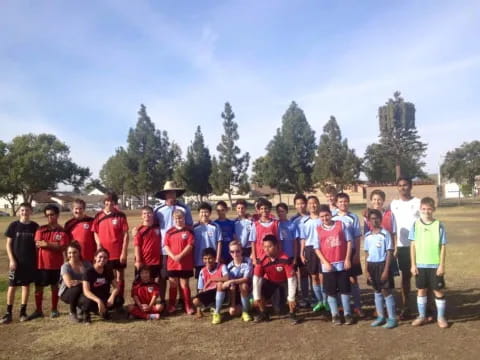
(378, 321)
(6, 319)
(390, 324)
(154, 317)
(262, 317)
(246, 316)
(348, 319)
(359, 313)
(35, 315)
(318, 307)
(216, 318)
(336, 320)
(54, 314)
(326, 307)
(404, 314)
(23, 317)
(419, 321)
(293, 318)
(442, 323)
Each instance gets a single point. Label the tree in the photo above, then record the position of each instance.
(462, 165)
(197, 167)
(335, 162)
(9, 188)
(95, 184)
(230, 170)
(35, 163)
(115, 174)
(399, 143)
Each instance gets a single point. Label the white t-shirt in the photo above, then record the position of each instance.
(406, 213)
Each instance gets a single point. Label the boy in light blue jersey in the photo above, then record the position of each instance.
(227, 227)
(243, 227)
(287, 231)
(207, 235)
(379, 248)
(352, 223)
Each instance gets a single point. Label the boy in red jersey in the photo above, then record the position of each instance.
(110, 228)
(179, 241)
(148, 243)
(261, 228)
(210, 281)
(145, 293)
(274, 272)
(79, 228)
(51, 240)
(334, 250)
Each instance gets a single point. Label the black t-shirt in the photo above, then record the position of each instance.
(23, 243)
(99, 283)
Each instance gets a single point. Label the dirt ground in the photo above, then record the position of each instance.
(182, 336)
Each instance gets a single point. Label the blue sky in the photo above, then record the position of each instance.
(80, 70)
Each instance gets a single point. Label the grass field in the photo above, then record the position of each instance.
(184, 337)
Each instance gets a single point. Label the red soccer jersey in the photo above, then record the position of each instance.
(333, 243)
(149, 241)
(277, 270)
(49, 259)
(177, 240)
(145, 291)
(260, 232)
(206, 276)
(81, 231)
(111, 229)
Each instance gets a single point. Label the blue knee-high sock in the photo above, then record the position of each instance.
(422, 306)
(390, 301)
(346, 304)
(245, 303)
(379, 304)
(356, 296)
(332, 302)
(324, 294)
(441, 304)
(317, 291)
(219, 297)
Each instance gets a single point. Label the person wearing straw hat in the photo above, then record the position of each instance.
(164, 216)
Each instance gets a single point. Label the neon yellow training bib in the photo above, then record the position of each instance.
(427, 242)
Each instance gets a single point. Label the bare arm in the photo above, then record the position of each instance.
(323, 260)
(219, 251)
(348, 263)
(97, 240)
(188, 249)
(124, 254)
(413, 259)
(138, 257)
(11, 258)
(441, 267)
(67, 279)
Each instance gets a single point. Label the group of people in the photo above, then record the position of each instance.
(253, 263)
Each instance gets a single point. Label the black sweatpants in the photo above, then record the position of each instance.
(71, 296)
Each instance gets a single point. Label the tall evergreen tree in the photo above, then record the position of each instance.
(335, 162)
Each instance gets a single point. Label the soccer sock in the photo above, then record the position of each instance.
(245, 303)
(304, 287)
(172, 295)
(379, 304)
(9, 309)
(390, 301)
(54, 300)
(23, 309)
(186, 298)
(324, 294)
(422, 306)
(441, 304)
(356, 296)
(346, 304)
(38, 300)
(317, 291)
(332, 302)
(219, 297)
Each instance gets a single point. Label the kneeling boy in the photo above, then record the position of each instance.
(145, 293)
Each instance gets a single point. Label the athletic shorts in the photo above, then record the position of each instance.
(207, 298)
(427, 278)
(247, 252)
(375, 270)
(116, 264)
(47, 277)
(269, 288)
(336, 281)
(21, 276)
(356, 269)
(182, 274)
(197, 271)
(312, 261)
(403, 256)
(155, 270)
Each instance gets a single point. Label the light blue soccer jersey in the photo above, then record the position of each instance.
(308, 231)
(443, 241)
(377, 245)
(244, 270)
(243, 227)
(297, 220)
(287, 231)
(206, 235)
(164, 218)
(352, 223)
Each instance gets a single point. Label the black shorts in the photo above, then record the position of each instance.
(404, 263)
(116, 264)
(155, 271)
(207, 298)
(182, 274)
(312, 261)
(427, 278)
(21, 276)
(336, 281)
(356, 269)
(375, 270)
(47, 277)
(197, 271)
(246, 252)
(269, 288)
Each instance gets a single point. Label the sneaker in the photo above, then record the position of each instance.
(318, 307)
(336, 320)
(360, 314)
(35, 315)
(154, 317)
(378, 321)
(262, 317)
(87, 319)
(216, 318)
(73, 317)
(419, 321)
(23, 317)
(246, 316)
(404, 314)
(293, 318)
(54, 314)
(442, 323)
(6, 319)
(348, 319)
(390, 324)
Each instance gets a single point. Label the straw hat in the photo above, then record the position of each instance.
(170, 186)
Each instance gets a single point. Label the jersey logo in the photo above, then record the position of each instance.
(333, 241)
(184, 236)
(210, 233)
(150, 289)
(114, 221)
(58, 237)
(279, 268)
(86, 226)
(379, 244)
(284, 234)
(99, 282)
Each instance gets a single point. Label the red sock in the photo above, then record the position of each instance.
(54, 299)
(172, 296)
(186, 298)
(38, 300)
(121, 288)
